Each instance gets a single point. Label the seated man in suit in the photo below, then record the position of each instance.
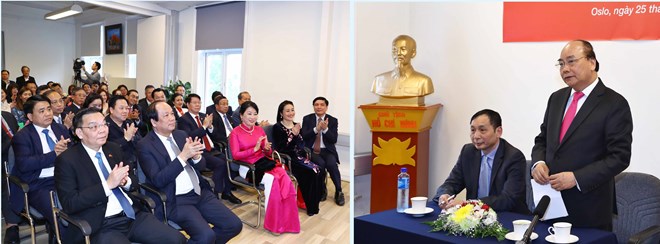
(199, 125)
(5, 79)
(79, 96)
(244, 96)
(35, 147)
(490, 168)
(224, 123)
(92, 182)
(211, 108)
(171, 162)
(319, 132)
(144, 103)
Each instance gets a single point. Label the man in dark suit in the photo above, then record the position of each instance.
(319, 132)
(491, 169)
(35, 147)
(79, 96)
(5, 79)
(9, 128)
(199, 125)
(25, 78)
(585, 140)
(171, 161)
(144, 103)
(211, 108)
(92, 184)
(220, 118)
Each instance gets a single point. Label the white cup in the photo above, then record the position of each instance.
(561, 231)
(520, 226)
(418, 204)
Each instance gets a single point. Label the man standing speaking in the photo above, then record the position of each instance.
(585, 140)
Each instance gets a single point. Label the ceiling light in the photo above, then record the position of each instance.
(65, 12)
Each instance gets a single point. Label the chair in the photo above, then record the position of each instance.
(30, 214)
(638, 205)
(61, 217)
(253, 186)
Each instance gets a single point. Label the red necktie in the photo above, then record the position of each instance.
(207, 144)
(570, 114)
(5, 127)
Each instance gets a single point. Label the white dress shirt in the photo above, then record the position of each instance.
(50, 171)
(113, 204)
(183, 181)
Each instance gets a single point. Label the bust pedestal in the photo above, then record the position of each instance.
(400, 138)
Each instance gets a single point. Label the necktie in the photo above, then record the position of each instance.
(317, 142)
(49, 140)
(57, 119)
(484, 177)
(207, 144)
(125, 204)
(188, 168)
(227, 124)
(570, 114)
(5, 127)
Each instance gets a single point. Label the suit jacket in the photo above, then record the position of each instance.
(507, 182)
(595, 148)
(329, 138)
(219, 134)
(79, 187)
(116, 135)
(30, 158)
(20, 81)
(143, 105)
(161, 171)
(71, 108)
(188, 124)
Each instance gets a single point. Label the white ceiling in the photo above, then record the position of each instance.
(96, 11)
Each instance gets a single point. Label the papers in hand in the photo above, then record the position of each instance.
(556, 209)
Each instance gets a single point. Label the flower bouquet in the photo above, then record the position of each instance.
(473, 219)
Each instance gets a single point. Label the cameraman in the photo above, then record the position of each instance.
(94, 77)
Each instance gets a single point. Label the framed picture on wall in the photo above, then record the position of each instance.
(114, 39)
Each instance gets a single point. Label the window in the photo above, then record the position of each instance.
(131, 65)
(221, 71)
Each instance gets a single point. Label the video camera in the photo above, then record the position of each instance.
(77, 65)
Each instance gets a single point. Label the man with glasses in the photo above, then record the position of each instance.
(585, 140)
(35, 147)
(79, 96)
(92, 184)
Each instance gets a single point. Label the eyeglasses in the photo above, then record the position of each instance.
(560, 63)
(96, 127)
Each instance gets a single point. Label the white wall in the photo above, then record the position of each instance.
(187, 63)
(151, 51)
(472, 69)
(47, 47)
(291, 51)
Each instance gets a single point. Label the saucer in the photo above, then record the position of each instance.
(512, 236)
(571, 239)
(418, 213)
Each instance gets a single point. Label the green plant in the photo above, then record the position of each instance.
(171, 87)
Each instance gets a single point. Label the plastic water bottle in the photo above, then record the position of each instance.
(403, 187)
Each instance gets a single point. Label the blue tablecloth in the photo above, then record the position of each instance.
(392, 227)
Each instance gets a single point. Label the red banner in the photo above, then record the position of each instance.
(564, 21)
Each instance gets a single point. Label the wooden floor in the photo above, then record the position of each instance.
(330, 225)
